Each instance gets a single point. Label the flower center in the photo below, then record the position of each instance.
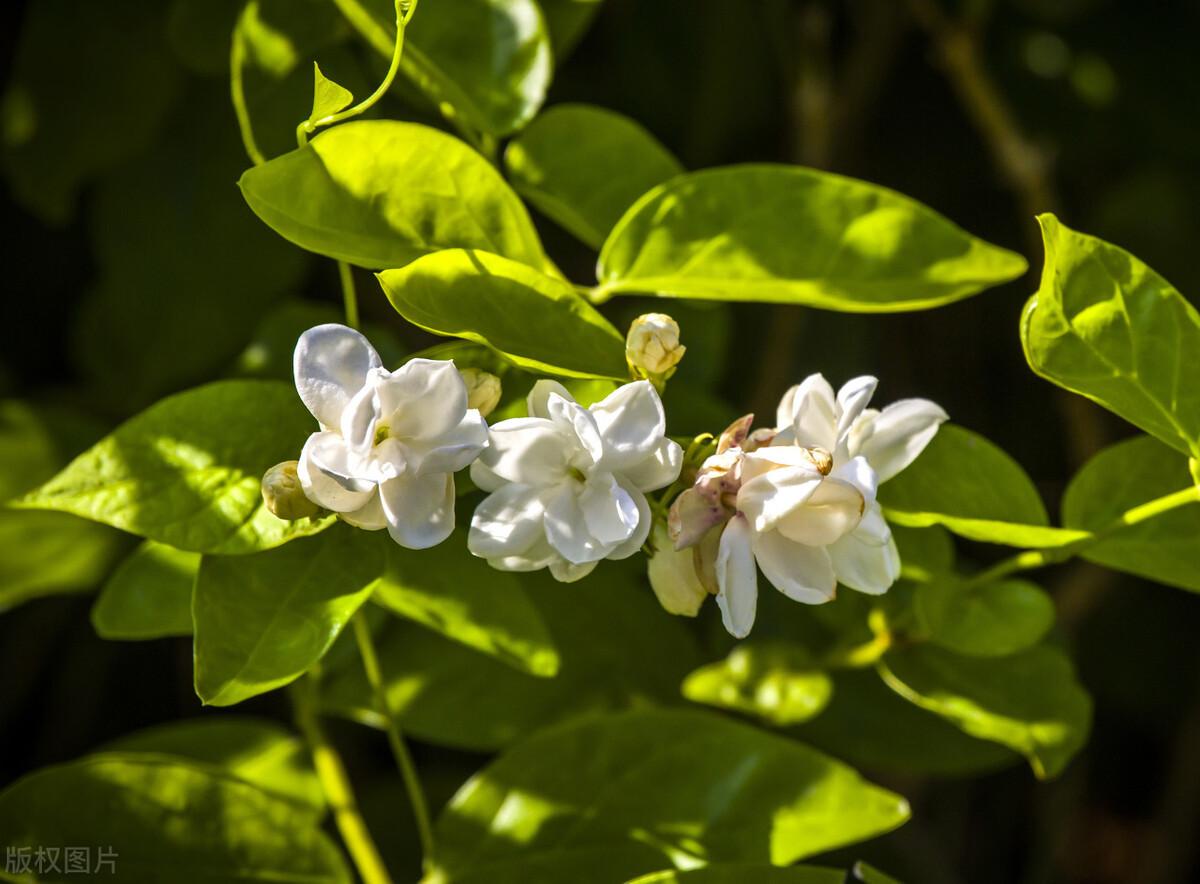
(577, 474)
(382, 431)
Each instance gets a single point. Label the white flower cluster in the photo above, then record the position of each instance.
(566, 486)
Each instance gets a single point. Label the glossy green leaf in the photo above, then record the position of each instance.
(1030, 702)
(328, 97)
(965, 483)
(380, 193)
(73, 108)
(261, 621)
(985, 621)
(167, 819)
(255, 750)
(582, 865)
(567, 21)
(741, 873)
(1106, 326)
(924, 552)
(584, 166)
(738, 794)
(775, 681)
(536, 321)
(617, 649)
(1165, 548)
(187, 471)
(486, 64)
(464, 599)
(149, 595)
(796, 236)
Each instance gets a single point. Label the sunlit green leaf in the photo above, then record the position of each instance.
(583, 166)
(1106, 326)
(149, 595)
(984, 621)
(578, 865)
(1030, 702)
(737, 794)
(773, 680)
(262, 620)
(187, 471)
(537, 321)
(965, 483)
(255, 750)
(328, 97)
(166, 819)
(796, 236)
(380, 193)
(1165, 548)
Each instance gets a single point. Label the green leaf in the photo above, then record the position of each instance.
(1106, 326)
(965, 483)
(1029, 702)
(262, 620)
(255, 750)
(796, 236)
(149, 595)
(776, 681)
(379, 193)
(738, 794)
(584, 166)
(567, 21)
(740, 873)
(328, 97)
(89, 87)
(467, 601)
(486, 64)
(169, 820)
(617, 649)
(924, 552)
(536, 321)
(993, 620)
(187, 470)
(1165, 548)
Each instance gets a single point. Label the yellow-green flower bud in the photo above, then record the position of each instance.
(673, 577)
(652, 347)
(483, 389)
(283, 495)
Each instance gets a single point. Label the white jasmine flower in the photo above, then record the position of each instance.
(568, 483)
(652, 346)
(389, 441)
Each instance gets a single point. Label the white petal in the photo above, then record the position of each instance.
(608, 509)
(859, 473)
(507, 523)
(423, 399)
(535, 402)
(864, 565)
(658, 470)
(540, 555)
(327, 475)
(485, 478)
(753, 464)
(527, 450)
(360, 417)
(814, 421)
(785, 413)
(673, 578)
(737, 578)
(641, 530)
(573, 418)
(419, 509)
(802, 573)
(873, 528)
(893, 438)
(568, 572)
(451, 451)
(776, 494)
(852, 398)
(330, 365)
(368, 517)
(833, 511)
(567, 529)
(632, 422)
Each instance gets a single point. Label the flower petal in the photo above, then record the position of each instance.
(873, 528)
(423, 399)
(540, 555)
(419, 509)
(859, 473)
(528, 450)
(814, 418)
(485, 478)
(692, 516)
(802, 573)
(575, 419)
(327, 475)
(737, 579)
(360, 416)
(864, 565)
(632, 422)
(330, 365)
(833, 511)
(536, 401)
(774, 495)
(567, 528)
(852, 398)
(659, 469)
(608, 509)
(892, 439)
(368, 517)
(568, 572)
(451, 451)
(507, 523)
(641, 531)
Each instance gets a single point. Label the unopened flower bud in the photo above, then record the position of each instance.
(483, 390)
(652, 347)
(283, 495)
(673, 577)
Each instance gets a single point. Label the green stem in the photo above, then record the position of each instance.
(349, 294)
(1038, 558)
(336, 786)
(404, 761)
(309, 126)
(237, 91)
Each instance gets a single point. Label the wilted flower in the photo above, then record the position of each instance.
(283, 495)
(568, 483)
(389, 441)
(652, 346)
(483, 390)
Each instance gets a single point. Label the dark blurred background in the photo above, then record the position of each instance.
(132, 269)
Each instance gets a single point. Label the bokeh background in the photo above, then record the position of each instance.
(133, 269)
